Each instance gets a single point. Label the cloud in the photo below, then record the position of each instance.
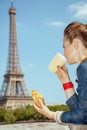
(30, 65)
(57, 23)
(80, 9)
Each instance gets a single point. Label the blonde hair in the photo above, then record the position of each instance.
(76, 30)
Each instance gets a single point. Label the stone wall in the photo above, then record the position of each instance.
(43, 126)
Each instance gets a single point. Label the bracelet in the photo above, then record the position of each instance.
(68, 85)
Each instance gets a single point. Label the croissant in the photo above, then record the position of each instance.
(36, 96)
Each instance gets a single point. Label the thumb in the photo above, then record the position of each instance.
(41, 102)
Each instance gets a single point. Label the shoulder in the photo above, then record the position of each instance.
(82, 69)
(82, 66)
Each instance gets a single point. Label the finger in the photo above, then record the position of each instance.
(36, 107)
(41, 103)
(59, 69)
(64, 68)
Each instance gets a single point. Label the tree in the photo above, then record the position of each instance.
(9, 118)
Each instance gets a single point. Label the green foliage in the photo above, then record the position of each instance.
(32, 114)
(9, 118)
(28, 113)
(61, 107)
(19, 114)
(2, 113)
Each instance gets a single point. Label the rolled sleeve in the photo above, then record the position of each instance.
(78, 117)
(57, 116)
(73, 101)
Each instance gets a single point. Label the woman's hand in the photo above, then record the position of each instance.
(44, 110)
(63, 75)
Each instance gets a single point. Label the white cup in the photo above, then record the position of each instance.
(58, 60)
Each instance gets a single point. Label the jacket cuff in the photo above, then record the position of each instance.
(73, 101)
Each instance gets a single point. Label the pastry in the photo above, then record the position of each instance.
(36, 96)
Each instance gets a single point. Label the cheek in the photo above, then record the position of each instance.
(70, 57)
(66, 53)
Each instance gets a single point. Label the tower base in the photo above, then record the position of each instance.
(13, 102)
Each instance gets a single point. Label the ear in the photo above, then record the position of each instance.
(76, 43)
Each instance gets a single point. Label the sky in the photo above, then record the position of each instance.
(40, 25)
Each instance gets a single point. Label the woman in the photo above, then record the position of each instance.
(75, 50)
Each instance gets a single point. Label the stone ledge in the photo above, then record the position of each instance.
(43, 126)
(72, 126)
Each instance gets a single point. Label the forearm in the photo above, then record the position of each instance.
(69, 92)
(69, 89)
(50, 114)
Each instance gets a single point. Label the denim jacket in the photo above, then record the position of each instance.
(78, 102)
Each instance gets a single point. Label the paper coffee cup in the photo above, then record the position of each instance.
(58, 60)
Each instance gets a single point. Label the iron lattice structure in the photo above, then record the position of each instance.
(13, 84)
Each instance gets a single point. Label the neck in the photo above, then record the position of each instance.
(82, 58)
(81, 54)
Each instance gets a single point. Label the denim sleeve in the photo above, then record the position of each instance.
(72, 116)
(76, 114)
(78, 102)
(73, 101)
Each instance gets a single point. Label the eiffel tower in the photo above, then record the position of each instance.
(13, 91)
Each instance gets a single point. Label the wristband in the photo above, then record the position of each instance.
(68, 85)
